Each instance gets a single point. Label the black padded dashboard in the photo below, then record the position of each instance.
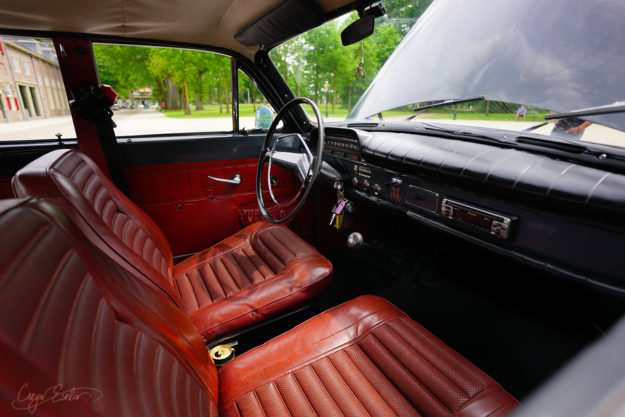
(495, 166)
(555, 214)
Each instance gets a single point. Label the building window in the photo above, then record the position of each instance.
(47, 80)
(27, 68)
(16, 65)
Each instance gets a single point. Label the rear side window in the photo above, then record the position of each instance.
(167, 90)
(33, 101)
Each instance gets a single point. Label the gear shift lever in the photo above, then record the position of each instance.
(355, 241)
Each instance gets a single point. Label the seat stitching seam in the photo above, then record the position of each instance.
(301, 388)
(208, 292)
(312, 367)
(347, 355)
(268, 304)
(217, 279)
(272, 234)
(340, 347)
(236, 406)
(256, 265)
(273, 383)
(229, 275)
(299, 366)
(70, 319)
(392, 356)
(261, 261)
(329, 358)
(440, 350)
(375, 365)
(34, 322)
(234, 261)
(260, 404)
(214, 257)
(429, 362)
(270, 250)
(197, 301)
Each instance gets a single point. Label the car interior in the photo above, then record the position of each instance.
(317, 268)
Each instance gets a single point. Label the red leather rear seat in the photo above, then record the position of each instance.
(261, 271)
(70, 316)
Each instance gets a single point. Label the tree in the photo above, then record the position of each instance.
(122, 67)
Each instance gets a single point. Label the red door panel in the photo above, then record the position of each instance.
(193, 210)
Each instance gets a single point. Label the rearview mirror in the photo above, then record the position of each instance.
(358, 30)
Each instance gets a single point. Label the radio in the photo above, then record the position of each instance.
(495, 224)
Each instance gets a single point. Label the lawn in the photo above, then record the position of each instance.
(247, 110)
(210, 111)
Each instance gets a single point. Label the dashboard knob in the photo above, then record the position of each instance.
(354, 240)
(365, 185)
(376, 189)
(355, 181)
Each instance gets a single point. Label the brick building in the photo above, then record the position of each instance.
(31, 86)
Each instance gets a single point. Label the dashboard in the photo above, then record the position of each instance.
(554, 214)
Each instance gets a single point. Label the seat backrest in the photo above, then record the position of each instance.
(100, 208)
(78, 337)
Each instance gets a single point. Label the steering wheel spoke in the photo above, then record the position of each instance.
(305, 165)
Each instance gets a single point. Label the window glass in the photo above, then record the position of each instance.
(255, 113)
(166, 90)
(16, 65)
(30, 109)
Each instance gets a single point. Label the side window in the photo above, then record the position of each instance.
(255, 112)
(31, 107)
(166, 90)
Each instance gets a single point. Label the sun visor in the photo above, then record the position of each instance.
(285, 21)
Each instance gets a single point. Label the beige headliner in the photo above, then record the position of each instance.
(203, 22)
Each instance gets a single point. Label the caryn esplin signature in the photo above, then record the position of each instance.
(29, 401)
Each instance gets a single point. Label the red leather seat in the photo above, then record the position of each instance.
(76, 328)
(364, 357)
(262, 270)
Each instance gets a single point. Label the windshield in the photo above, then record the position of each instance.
(520, 61)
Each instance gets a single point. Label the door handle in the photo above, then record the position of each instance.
(236, 179)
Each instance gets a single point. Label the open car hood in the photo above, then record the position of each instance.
(559, 55)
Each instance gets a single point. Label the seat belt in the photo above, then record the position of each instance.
(94, 103)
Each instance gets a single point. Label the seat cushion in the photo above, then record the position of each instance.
(260, 271)
(79, 337)
(364, 357)
(256, 273)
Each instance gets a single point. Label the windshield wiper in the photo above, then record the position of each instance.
(531, 128)
(458, 132)
(443, 103)
(618, 107)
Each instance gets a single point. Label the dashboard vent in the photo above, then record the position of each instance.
(363, 125)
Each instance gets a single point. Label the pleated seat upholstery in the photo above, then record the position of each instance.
(263, 265)
(257, 273)
(73, 321)
(362, 358)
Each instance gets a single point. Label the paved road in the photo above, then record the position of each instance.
(144, 122)
(129, 123)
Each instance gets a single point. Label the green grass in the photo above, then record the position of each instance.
(210, 111)
(247, 110)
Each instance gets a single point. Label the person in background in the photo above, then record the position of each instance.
(570, 128)
(522, 111)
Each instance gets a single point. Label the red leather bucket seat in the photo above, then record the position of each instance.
(79, 337)
(260, 271)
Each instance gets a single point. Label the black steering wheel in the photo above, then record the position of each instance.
(305, 165)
